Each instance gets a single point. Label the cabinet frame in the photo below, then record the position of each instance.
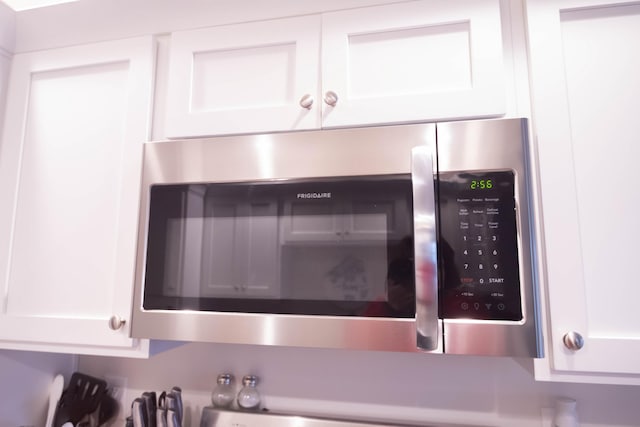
(324, 61)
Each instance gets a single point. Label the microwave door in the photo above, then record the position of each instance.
(425, 248)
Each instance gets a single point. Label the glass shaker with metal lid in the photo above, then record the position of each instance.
(223, 393)
(248, 396)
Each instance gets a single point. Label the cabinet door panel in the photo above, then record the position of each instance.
(378, 218)
(585, 66)
(426, 60)
(244, 78)
(57, 212)
(318, 221)
(221, 250)
(241, 253)
(227, 79)
(70, 165)
(262, 275)
(402, 69)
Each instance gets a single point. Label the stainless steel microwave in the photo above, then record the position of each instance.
(408, 238)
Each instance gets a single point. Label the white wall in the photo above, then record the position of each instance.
(7, 28)
(7, 46)
(414, 388)
(25, 378)
(58, 26)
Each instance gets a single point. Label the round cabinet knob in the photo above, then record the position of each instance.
(573, 340)
(331, 98)
(115, 322)
(306, 101)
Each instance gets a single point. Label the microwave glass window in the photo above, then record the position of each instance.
(333, 247)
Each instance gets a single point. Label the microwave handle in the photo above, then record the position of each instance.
(425, 247)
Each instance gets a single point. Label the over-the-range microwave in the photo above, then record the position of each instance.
(408, 238)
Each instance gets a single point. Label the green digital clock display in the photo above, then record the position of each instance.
(481, 184)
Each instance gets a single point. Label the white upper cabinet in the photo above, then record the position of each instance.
(585, 64)
(69, 183)
(422, 60)
(240, 250)
(361, 220)
(244, 78)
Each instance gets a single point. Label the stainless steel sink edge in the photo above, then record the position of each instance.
(215, 417)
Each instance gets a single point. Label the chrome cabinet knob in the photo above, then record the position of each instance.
(573, 340)
(115, 323)
(306, 101)
(331, 98)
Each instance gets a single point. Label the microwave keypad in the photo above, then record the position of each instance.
(478, 246)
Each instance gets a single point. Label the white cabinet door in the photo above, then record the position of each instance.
(374, 218)
(423, 60)
(244, 78)
(240, 250)
(315, 221)
(367, 218)
(585, 64)
(69, 184)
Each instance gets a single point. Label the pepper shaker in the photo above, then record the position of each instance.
(223, 394)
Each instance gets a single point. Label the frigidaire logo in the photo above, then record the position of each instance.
(314, 195)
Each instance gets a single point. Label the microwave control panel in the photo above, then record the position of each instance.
(478, 246)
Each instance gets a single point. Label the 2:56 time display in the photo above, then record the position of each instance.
(480, 184)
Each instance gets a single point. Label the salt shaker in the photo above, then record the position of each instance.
(565, 415)
(223, 393)
(248, 396)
